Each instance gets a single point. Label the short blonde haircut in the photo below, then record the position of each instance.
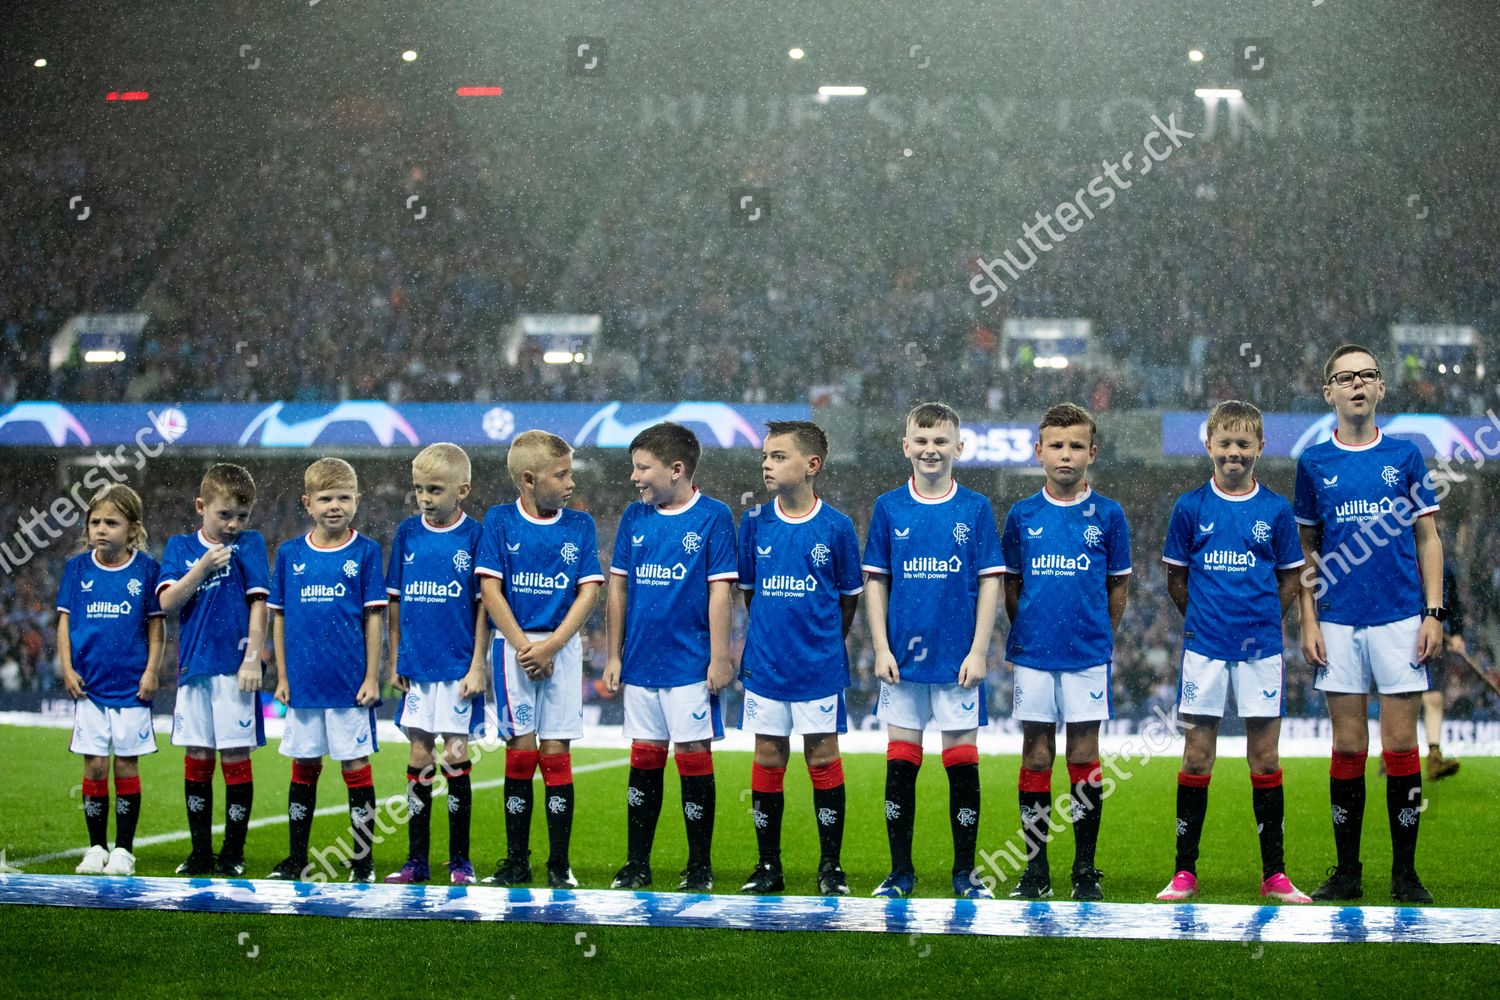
(329, 474)
(1233, 413)
(128, 502)
(443, 461)
(533, 451)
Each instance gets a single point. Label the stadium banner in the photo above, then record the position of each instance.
(97, 338)
(989, 446)
(1044, 343)
(367, 424)
(1433, 345)
(1289, 434)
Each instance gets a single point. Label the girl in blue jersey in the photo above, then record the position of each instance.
(109, 643)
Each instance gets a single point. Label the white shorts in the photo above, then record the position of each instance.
(770, 717)
(99, 731)
(337, 733)
(551, 708)
(1203, 685)
(683, 714)
(213, 712)
(949, 707)
(1063, 695)
(1385, 654)
(435, 707)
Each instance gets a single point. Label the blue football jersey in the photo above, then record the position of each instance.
(1232, 544)
(798, 568)
(934, 550)
(323, 595)
(107, 608)
(668, 558)
(539, 562)
(431, 572)
(1064, 551)
(215, 620)
(1372, 577)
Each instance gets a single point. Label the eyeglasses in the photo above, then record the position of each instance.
(1346, 379)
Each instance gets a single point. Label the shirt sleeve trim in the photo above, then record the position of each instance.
(714, 578)
(617, 571)
(486, 571)
(1121, 572)
(878, 570)
(592, 578)
(1307, 521)
(1172, 562)
(1293, 565)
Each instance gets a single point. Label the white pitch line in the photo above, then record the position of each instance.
(256, 824)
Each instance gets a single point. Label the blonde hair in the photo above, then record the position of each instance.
(329, 474)
(442, 461)
(128, 502)
(1233, 413)
(533, 451)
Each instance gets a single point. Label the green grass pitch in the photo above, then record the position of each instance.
(47, 951)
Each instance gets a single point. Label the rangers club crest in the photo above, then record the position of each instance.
(134, 588)
(1093, 535)
(1390, 476)
(692, 542)
(961, 533)
(351, 568)
(569, 553)
(461, 560)
(1261, 531)
(820, 553)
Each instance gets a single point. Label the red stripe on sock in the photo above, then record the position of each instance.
(767, 779)
(238, 772)
(1272, 780)
(1348, 765)
(1088, 773)
(557, 769)
(96, 789)
(1201, 780)
(305, 774)
(901, 750)
(1400, 763)
(964, 754)
(827, 776)
(521, 764)
(648, 756)
(460, 769)
(695, 764)
(127, 786)
(1036, 781)
(419, 775)
(198, 769)
(363, 777)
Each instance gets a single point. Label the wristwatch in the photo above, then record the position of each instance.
(1441, 614)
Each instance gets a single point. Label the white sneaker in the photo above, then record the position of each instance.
(93, 861)
(121, 862)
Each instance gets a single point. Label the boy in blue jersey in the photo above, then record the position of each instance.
(1067, 564)
(109, 644)
(218, 578)
(668, 617)
(328, 597)
(932, 567)
(799, 572)
(1371, 611)
(540, 579)
(1232, 557)
(437, 645)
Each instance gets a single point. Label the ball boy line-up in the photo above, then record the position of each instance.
(457, 600)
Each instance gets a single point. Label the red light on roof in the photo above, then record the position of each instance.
(128, 95)
(480, 91)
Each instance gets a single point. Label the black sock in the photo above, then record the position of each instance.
(96, 812)
(460, 811)
(1088, 811)
(1403, 802)
(963, 803)
(1036, 807)
(199, 796)
(767, 810)
(419, 811)
(559, 823)
(127, 811)
(518, 802)
(361, 822)
(239, 798)
(828, 807)
(1268, 800)
(302, 802)
(1192, 806)
(901, 808)
(698, 801)
(1348, 800)
(643, 809)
